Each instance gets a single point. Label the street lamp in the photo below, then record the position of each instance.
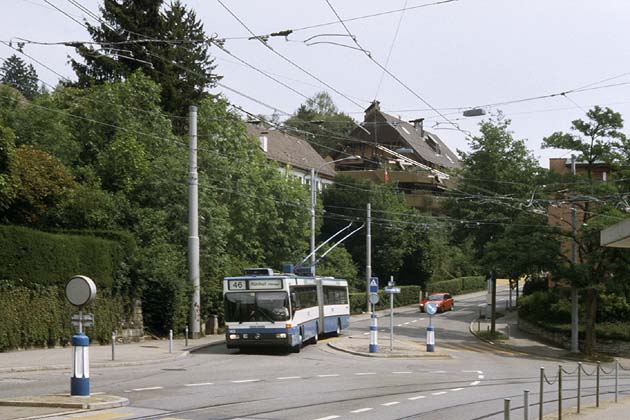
(314, 173)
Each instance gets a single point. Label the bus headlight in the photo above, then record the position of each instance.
(234, 337)
(281, 335)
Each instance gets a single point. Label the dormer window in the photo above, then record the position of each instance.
(433, 144)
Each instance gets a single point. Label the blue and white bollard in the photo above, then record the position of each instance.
(430, 339)
(80, 381)
(374, 334)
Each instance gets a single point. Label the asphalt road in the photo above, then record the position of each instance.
(323, 384)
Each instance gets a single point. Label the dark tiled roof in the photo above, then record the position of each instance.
(439, 154)
(287, 149)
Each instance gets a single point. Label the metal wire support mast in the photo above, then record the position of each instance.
(193, 227)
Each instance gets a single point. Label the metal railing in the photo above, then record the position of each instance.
(561, 374)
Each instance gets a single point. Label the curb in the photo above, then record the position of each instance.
(391, 356)
(100, 365)
(81, 405)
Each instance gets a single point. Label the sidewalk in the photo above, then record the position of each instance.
(146, 352)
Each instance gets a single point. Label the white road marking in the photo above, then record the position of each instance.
(438, 371)
(245, 381)
(474, 383)
(457, 389)
(420, 319)
(365, 373)
(328, 418)
(471, 371)
(415, 320)
(289, 377)
(361, 410)
(390, 403)
(401, 372)
(200, 384)
(96, 393)
(438, 393)
(406, 323)
(480, 372)
(328, 376)
(148, 389)
(399, 325)
(480, 376)
(419, 397)
(367, 333)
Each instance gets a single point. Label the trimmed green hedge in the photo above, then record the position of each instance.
(410, 295)
(30, 257)
(41, 317)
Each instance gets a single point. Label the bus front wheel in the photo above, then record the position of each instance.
(337, 332)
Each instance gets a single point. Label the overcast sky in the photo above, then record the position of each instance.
(452, 56)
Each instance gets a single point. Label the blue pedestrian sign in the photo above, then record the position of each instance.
(373, 284)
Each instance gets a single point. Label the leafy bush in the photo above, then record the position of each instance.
(459, 285)
(30, 257)
(40, 317)
(612, 308)
(544, 306)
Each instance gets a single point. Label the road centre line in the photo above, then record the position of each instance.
(402, 372)
(419, 397)
(148, 389)
(365, 373)
(289, 377)
(245, 381)
(361, 410)
(390, 403)
(330, 375)
(200, 384)
(474, 383)
(438, 371)
(328, 418)
(438, 393)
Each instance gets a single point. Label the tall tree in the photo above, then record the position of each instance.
(15, 72)
(320, 116)
(595, 140)
(169, 46)
(498, 174)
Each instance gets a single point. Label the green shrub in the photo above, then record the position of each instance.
(40, 317)
(459, 285)
(544, 306)
(30, 257)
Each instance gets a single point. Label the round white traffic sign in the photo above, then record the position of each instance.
(80, 290)
(430, 308)
(373, 298)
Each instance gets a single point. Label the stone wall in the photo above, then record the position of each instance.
(132, 330)
(612, 347)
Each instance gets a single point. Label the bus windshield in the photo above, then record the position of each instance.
(256, 307)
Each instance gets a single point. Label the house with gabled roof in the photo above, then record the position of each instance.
(295, 156)
(403, 152)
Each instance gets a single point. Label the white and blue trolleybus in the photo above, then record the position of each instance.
(263, 308)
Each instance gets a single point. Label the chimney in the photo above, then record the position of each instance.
(263, 140)
(418, 124)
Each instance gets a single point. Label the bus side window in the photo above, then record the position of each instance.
(293, 302)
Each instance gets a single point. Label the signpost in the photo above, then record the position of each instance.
(391, 290)
(374, 324)
(430, 308)
(80, 291)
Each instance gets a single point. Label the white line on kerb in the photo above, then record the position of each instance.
(438, 393)
(362, 410)
(390, 403)
(245, 380)
(148, 389)
(328, 376)
(365, 373)
(474, 383)
(288, 377)
(328, 418)
(457, 389)
(419, 397)
(200, 384)
(401, 373)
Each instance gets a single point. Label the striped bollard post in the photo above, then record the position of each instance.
(374, 334)
(430, 339)
(80, 380)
